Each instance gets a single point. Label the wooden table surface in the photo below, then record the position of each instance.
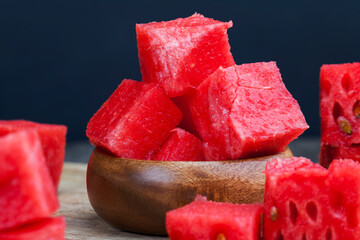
(81, 220)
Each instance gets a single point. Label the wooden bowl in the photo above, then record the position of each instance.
(134, 195)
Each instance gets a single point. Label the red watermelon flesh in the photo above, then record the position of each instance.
(344, 183)
(53, 141)
(184, 104)
(134, 121)
(26, 188)
(339, 104)
(328, 153)
(181, 53)
(305, 201)
(180, 146)
(44, 229)
(207, 220)
(246, 111)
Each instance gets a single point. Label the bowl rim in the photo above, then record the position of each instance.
(287, 152)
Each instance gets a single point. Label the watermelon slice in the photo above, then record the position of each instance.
(246, 111)
(180, 146)
(180, 54)
(305, 201)
(134, 121)
(44, 229)
(26, 188)
(339, 108)
(207, 220)
(53, 140)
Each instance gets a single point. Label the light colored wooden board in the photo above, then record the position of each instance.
(81, 220)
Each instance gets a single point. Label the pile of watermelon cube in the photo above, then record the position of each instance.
(194, 102)
(31, 160)
(303, 201)
(340, 112)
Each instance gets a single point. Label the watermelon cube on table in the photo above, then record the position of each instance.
(339, 106)
(246, 111)
(181, 53)
(43, 229)
(134, 121)
(180, 146)
(27, 192)
(53, 141)
(207, 220)
(305, 201)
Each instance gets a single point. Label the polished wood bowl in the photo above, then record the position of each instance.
(134, 195)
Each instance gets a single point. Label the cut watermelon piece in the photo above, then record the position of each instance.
(246, 111)
(26, 188)
(180, 54)
(339, 106)
(207, 220)
(344, 181)
(305, 201)
(180, 146)
(44, 229)
(134, 121)
(328, 153)
(53, 141)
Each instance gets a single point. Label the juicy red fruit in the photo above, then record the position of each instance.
(26, 189)
(311, 202)
(180, 146)
(181, 53)
(134, 121)
(246, 111)
(207, 220)
(53, 141)
(43, 229)
(339, 108)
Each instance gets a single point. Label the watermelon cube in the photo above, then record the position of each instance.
(246, 111)
(181, 53)
(26, 188)
(43, 229)
(344, 182)
(180, 146)
(53, 140)
(134, 121)
(305, 201)
(339, 106)
(207, 220)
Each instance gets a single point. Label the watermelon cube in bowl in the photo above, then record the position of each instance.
(305, 201)
(246, 111)
(181, 53)
(26, 188)
(52, 138)
(339, 110)
(180, 146)
(207, 220)
(42, 229)
(134, 121)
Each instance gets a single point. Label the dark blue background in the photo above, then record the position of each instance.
(61, 59)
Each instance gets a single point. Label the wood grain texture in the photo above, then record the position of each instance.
(82, 223)
(135, 195)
